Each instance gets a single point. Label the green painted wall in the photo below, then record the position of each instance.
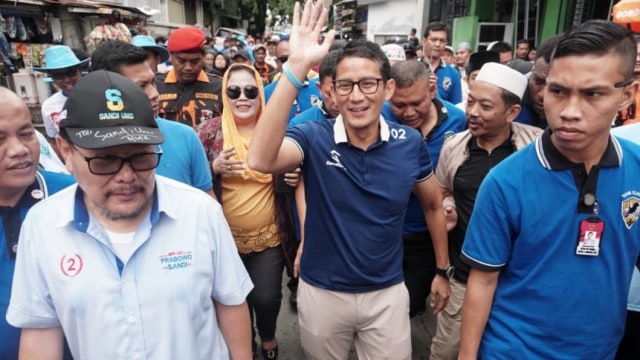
(552, 19)
(464, 29)
(483, 9)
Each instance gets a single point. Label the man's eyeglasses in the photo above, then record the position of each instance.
(250, 91)
(366, 86)
(111, 164)
(60, 75)
(283, 59)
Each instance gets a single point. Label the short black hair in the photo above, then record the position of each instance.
(436, 26)
(523, 41)
(545, 50)
(509, 99)
(600, 37)
(161, 39)
(368, 50)
(407, 73)
(328, 65)
(501, 47)
(111, 55)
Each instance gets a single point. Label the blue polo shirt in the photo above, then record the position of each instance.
(183, 157)
(451, 120)
(11, 218)
(549, 302)
(314, 113)
(356, 202)
(449, 83)
(307, 96)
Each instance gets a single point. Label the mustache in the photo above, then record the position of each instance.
(124, 189)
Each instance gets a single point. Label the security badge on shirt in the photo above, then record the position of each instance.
(591, 230)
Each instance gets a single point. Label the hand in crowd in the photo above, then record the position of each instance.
(306, 28)
(433, 79)
(451, 216)
(292, 178)
(224, 165)
(439, 293)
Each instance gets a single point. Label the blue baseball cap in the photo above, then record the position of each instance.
(59, 57)
(148, 43)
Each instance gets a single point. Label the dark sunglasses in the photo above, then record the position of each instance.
(59, 75)
(283, 59)
(250, 91)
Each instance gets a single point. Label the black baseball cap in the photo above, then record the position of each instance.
(106, 109)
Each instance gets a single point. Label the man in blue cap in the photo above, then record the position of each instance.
(156, 54)
(63, 67)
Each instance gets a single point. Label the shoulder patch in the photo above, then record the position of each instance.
(630, 208)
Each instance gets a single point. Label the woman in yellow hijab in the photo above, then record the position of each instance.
(258, 215)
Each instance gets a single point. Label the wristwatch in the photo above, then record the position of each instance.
(446, 273)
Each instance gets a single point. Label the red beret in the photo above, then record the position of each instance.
(186, 39)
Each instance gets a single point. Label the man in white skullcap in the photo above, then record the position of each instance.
(466, 158)
(395, 53)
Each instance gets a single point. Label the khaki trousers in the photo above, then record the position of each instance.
(446, 343)
(376, 322)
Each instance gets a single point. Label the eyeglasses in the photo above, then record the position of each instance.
(60, 75)
(110, 164)
(623, 83)
(250, 91)
(283, 59)
(366, 86)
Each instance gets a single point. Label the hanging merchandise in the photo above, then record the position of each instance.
(21, 31)
(106, 32)
(11, 26)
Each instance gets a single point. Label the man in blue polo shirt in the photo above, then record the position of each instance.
(551, 264)
(351, 281)
(22, 185)
(434, 40)
(414, 104)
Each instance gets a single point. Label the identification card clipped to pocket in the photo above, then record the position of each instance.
(590, 237)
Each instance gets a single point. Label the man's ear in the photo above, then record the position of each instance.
(629, 95)
(65, 151)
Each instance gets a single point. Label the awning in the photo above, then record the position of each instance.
(101, 8)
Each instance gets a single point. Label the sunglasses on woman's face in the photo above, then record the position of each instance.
(250, 91)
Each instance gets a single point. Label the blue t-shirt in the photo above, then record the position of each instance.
(356, 201)
(183, 157)
(307, 96)
(451, 120)
(549, 302)
(46, 183)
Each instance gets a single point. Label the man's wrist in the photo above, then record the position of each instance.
(446, 273)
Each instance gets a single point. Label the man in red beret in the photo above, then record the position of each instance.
(188, 94)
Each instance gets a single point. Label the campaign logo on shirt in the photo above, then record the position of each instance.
(176, 260)
(446, 82)
(630, 208)
(71, 265)
(335, 156)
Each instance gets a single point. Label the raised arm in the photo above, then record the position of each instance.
(268, 152)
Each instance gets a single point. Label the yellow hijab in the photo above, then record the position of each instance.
(231, 136)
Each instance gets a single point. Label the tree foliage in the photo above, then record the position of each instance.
(257, 10)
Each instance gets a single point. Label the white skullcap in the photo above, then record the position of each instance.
(394, 52)
(503, 77)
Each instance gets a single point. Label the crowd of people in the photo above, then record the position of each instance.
(177, 183)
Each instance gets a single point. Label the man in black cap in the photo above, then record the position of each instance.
(476, 60)
(187, 94)
(117, 235)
